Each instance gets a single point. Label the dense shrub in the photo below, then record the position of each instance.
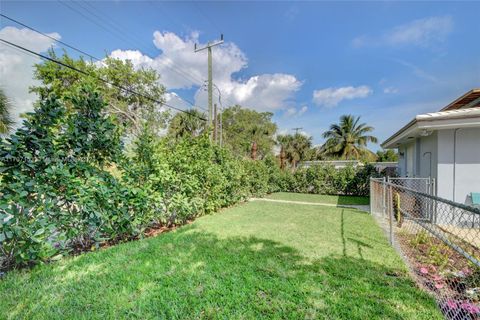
(325, 179)
(55, 195)
(187, 178)
(58, 193)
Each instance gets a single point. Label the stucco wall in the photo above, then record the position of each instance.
(458, 164)
(401, 161)
(407, 163)
(427, 156)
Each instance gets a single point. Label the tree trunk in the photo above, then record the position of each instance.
(254, 151)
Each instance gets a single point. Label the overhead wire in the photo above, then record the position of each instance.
(122, 35)
(78, 50)
(96, 77)
(103, 17)
(50, 37)
(118, 27)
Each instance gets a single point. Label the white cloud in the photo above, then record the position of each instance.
(180, 67)
(425, 32)
(290, 112)
(331, 97)
(390, 90)
(302, 110)
(294, 112)
(418, 72)
(174, 100)
(16, 68)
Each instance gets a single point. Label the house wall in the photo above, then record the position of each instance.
(427, 156)
(458, 164)
(401, 161)
(406, 162)
(410, 159)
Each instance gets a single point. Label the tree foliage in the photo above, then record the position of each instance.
(68, 186)
(187, 124)
(296, 147)
(387, 156)
(59, 194)
(348, 139)
(242, 127)
(55, 193)
(132, 111)
(6, 121)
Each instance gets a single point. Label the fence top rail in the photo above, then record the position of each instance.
(449, 202)
(407, 178)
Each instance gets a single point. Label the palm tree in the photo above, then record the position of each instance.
(348, 139)
(6, 121)
(294, 147)
(187, 124)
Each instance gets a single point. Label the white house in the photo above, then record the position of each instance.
(444, 145)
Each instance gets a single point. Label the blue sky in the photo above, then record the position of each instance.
(307, 62)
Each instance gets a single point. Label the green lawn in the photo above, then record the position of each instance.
(320, 198)
(256, 260)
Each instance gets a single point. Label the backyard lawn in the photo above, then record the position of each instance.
(319, 198)
(255, 260)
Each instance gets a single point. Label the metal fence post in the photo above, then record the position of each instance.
(390, 213)
(371, 195)
(384, 206)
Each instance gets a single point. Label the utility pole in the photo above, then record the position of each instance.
(221, 126)
(297, 129)
(210, 80)
(215, 123)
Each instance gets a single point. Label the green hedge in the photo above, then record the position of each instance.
(68, 186)
(325, 179)
(59, 195)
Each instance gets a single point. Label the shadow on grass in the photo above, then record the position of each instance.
(353, 200)
(188, 274)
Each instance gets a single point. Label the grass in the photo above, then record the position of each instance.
(320, 198)
(258, 260)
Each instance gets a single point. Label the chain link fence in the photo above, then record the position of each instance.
(438, 238)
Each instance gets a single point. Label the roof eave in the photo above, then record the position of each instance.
(430, 124)
(391, 142)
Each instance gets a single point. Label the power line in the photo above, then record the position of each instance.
(88, 54)
(98, 78)
(204, 15)
(78, 50)
(122, 35)
(50, 37)
(98, 59)
(188, 101)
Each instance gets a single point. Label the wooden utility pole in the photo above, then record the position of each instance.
(215, 123)
(297, 129)
(210, 80)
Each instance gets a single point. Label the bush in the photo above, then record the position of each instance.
(59, 196)
(325, 179)
(56, 196)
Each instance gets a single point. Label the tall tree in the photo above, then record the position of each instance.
(348, 139)
(133, 111)
(6, 121)
(296, 147)
(243, 127)
(387, 156)
(187, 124)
